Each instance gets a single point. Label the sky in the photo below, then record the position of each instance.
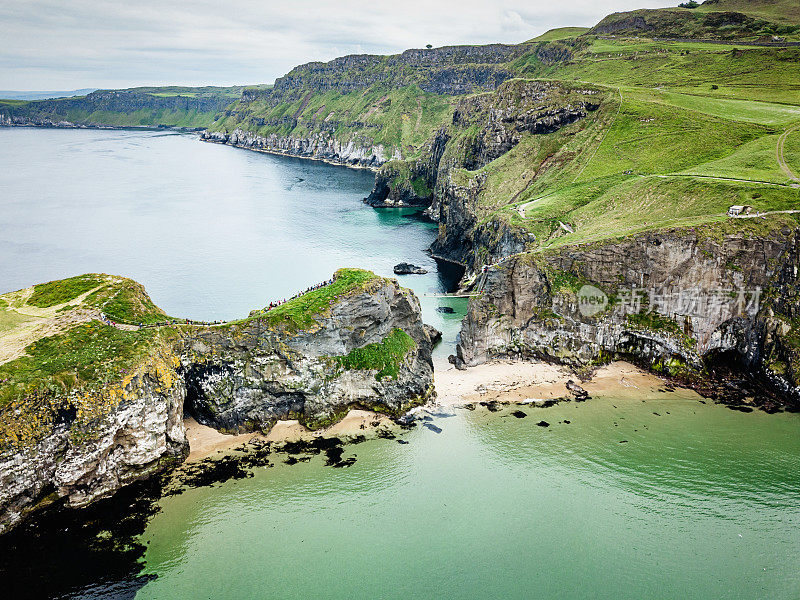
(70, 44)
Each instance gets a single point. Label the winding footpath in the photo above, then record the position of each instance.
(782, 159)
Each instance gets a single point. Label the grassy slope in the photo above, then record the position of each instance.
(560, 33)
(83, 350)
(712, 20)
(779, 11)
(302, 311)
(665, 157)
(404, 118)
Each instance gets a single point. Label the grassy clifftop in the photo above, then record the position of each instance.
(61, 362)
(684, 129)
(53, 336)
(714, 19)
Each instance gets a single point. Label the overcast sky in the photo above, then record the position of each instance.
(69, 44)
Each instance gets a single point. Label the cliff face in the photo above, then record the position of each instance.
(249, 375)
(449, 176)
(677, 302)
(357, 151)
(82, 432)
(94, 444)
(450, 70)
(364, 110)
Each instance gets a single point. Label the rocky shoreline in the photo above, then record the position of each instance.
(328, 151)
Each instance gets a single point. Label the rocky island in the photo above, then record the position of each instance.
(97, 379)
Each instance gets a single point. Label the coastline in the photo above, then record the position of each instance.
(205, 441)
(289, 155)
(104, 127)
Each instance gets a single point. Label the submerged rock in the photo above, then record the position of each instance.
(432, 427)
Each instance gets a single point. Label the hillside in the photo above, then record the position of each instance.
(778, 11)
(172, 106)
(761, 20)
(680, 132)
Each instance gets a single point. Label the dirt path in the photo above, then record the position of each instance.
(764, 214)
(781, 158)
(23, 324)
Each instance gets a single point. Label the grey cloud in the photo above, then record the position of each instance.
(89, 43)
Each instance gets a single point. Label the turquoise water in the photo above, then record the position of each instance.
(212, 232)
(700, 502)
(697, 501)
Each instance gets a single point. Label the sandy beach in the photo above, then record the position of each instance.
(518, 381)
(503, 381)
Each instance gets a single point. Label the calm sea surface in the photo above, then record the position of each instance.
(212, 232)
(640, 497)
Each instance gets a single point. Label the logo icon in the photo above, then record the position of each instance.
(591, 300)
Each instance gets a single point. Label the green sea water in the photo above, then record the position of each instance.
(696, 501)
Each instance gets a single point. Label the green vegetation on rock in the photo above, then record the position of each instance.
(91, 354)
(385, 357)
(301, 312)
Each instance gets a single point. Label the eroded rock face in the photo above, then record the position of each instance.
(248, 376)
(358, 151)
(531, 306)
(143, 435)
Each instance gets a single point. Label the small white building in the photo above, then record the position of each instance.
(737, 211)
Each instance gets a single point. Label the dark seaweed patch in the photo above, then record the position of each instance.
(93, 552)
(519, 414)
(206, 473)
(432, 427)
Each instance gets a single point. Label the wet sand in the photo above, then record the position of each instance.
(204, 441)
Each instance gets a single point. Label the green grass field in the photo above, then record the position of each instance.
(302, 312)
(779, 11)
(560, 33)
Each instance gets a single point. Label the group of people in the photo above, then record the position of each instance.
(181, 322)
(277, 303)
